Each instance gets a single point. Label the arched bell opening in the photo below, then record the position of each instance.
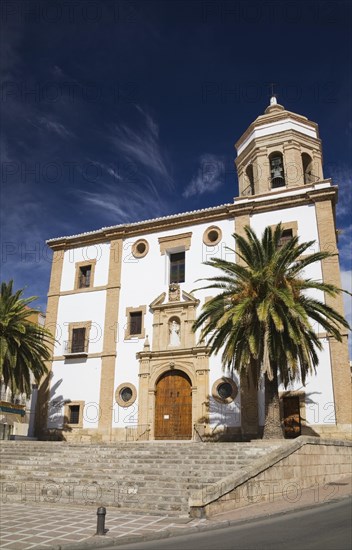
(250, 178)
(277, 172)
(307, 165)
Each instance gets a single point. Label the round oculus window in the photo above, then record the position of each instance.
(224, 390)
(126, 394)
(140, 248)
(212, 235)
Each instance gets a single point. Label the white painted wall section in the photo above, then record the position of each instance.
(80, 307)
(74, 380)
(99, 252)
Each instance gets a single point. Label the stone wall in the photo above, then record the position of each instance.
(305, 463)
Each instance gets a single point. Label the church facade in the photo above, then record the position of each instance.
(126, 364)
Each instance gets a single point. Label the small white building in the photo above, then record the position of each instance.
(126, 364)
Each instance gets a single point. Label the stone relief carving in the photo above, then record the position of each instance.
(174, 293)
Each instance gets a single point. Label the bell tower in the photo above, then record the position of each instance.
(279, 150)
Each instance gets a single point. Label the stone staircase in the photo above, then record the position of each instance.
(152, 477)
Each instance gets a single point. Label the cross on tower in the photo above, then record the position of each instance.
(272, 84)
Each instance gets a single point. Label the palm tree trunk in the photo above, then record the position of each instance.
(273, 427)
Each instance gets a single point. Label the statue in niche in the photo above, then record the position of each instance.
(174, 333)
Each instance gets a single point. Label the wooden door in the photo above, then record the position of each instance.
(292, 417)
(173, 406)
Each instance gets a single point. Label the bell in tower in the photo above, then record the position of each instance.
(280, 149)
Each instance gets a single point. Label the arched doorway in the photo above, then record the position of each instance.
(173, 406)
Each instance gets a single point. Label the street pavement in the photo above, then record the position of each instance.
(324, 527)
(25, 526)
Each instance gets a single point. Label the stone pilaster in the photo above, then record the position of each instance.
(51, 325)
(110, 339)
(341, 377)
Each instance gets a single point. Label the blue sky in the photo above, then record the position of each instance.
(120, 111)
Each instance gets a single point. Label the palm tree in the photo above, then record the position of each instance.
(23, 344)
(262, 318)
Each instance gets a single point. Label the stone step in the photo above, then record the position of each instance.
(111, 464)
(88, 480)
(151, 477)
(131, 459)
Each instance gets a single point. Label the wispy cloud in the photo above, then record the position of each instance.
(54, 126)
(137, 185)
(143, 148)
(209, 176)
(109, 169)
(126, 205)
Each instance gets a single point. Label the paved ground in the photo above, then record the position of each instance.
(26, 526)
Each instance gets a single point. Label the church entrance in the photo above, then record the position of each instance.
(173, 406)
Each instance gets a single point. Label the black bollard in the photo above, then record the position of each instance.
(101, 513)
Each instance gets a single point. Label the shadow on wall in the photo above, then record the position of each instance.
(223, 423)
(212, 426)
(52, 423)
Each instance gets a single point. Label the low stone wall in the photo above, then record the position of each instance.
(335, 431)
(306, 462)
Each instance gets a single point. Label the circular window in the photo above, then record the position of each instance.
(224, 390)
(125, 394)
(212, 236)
(140, 248)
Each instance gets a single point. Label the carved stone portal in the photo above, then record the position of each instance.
(173, 347)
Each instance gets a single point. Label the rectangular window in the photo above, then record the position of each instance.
(134, 327)
(287, 235)
(73, 414)
(135, 322)
(78, 343)
(177, 267)
(84, 276)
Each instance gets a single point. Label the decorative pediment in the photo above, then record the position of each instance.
(158, 301)
(190, 298)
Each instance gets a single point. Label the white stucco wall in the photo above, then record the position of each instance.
(80, 307)
(75, 380)
(98, 252)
